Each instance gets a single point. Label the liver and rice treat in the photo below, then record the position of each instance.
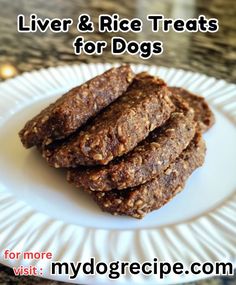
(119, 128)
(132, 155)
(203, 114)
(146, 161)
(74, 108)
(140, 200)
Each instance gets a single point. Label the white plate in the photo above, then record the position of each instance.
(40, 211)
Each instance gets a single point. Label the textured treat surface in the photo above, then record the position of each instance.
(119, 128)
(203, 114)
(146, 161)
(138, 201)
(74, 108)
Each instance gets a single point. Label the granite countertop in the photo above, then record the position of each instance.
(212, 54)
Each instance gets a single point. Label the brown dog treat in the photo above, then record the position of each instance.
(119, 128)
(203, 114)
(74, 108)
(146, 161)
(138, 201)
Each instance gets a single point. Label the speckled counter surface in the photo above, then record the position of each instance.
(211, 54)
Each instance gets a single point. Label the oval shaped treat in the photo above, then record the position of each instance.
(138, 201)
(146, 161)
(119, 128)
(203, 114)
(74, 108)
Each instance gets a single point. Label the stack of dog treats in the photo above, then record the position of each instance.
(128, 140)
